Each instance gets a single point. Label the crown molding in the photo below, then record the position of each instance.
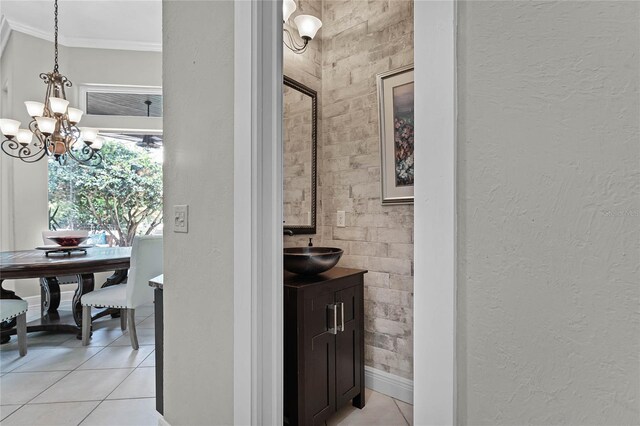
(6, 26)
(5, 31)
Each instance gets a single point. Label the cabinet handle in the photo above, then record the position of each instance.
(341, 326)
(334, 329)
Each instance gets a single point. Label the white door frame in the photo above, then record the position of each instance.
(258, 289)
(434, 289)
(258, 214)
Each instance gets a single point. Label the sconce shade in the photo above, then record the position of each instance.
(58, 105)
(24, 136)
(75, 115)
(9, 127)
(288, 7)
(307, 25)
(35, 109)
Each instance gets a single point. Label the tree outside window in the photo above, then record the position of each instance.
(115, 201)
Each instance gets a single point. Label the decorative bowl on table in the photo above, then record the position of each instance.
(68, 240)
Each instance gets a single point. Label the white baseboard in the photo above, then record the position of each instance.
(34, 301)
(162, 421)
(389, 384)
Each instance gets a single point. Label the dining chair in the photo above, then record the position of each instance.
(16, 308)
(146, 263)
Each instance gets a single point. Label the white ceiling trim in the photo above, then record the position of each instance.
(7, 26)
(5, 31)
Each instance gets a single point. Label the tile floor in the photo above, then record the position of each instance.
(379, 410)
(60, 382)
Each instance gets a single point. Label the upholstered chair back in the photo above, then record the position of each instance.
(146, 263)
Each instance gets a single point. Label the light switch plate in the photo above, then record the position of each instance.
(342, 220)
(181, 218)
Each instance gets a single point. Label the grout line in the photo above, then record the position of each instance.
(401, 413)
(105, 398)
(85, 400)
(59, 346)
(127, 399)
(63, 402)
(14, 411)
(114, 389)
(57, 381)
(85, 361)
(153, 352)
(90, 412)
(48, 387)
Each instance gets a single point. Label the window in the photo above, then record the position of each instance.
(124, 104)
(120, 198)
(120, 101)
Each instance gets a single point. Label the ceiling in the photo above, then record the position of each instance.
(112, 24)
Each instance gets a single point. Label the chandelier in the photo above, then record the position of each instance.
(53, 123)
(307, 26)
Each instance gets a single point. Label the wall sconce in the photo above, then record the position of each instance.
(307, 26)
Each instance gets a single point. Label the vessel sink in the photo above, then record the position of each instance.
(311, 260)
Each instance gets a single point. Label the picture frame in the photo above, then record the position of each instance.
(396, 116)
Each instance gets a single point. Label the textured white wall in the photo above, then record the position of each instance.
(198, 87)
(549, 213)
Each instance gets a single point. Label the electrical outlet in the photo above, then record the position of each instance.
(181, 218)
(342, 219)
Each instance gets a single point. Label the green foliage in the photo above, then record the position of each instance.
(122, 196)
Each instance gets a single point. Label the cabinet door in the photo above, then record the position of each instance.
(349, 348)
(319, 365)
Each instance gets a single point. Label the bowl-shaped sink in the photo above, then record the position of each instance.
(311, 260)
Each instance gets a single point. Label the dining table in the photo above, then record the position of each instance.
(17, 265)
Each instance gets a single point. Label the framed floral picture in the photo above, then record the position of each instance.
(395, 104)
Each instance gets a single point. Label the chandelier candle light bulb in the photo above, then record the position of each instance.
(58, 105)
(46, 125)
(75, 115)
(9, 127)
(89, 134)
(24, 137)
(35, 109)
(97, 144)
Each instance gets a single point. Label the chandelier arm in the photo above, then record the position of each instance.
(78, 159)
(24, 153)
(41, 138)
(89, 154)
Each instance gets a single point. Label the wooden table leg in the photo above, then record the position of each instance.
(49, 295)
(117, 277)
(7, 325)
(85, 285)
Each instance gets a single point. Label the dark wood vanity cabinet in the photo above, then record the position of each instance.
(323, 344)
